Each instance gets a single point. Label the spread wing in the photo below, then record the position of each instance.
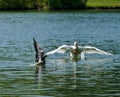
(39, 52)
(60, 49)
(93, 50)
(36, 46)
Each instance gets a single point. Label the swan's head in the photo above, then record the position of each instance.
(75, 45)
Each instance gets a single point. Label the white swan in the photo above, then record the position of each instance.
(77, 52)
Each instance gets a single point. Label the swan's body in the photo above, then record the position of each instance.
(77, 52)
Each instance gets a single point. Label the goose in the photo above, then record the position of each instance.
(40, 55)
(77, 52)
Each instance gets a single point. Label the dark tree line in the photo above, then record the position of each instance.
(67, 4)
(42, 4)
(16, 4)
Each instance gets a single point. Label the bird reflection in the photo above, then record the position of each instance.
(38, 73)
(75, 74)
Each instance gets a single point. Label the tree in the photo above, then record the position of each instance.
(67, 4)
(55, 4)
(16, 4)
(42, 4)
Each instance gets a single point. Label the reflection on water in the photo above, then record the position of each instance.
(62, 77)
(38, 73)
(94, 76)
(68, 76)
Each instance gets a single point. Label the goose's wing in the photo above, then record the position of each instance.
(92, 50)
(36, 46)
(39, 52)
(60, 49)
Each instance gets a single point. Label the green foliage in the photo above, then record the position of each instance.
(67, 4)
(55, 4)
(72, 4)
(16, 4)
(42, 4)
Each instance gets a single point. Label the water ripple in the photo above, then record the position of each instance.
(94, 76)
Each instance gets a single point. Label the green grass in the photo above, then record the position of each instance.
(103, 3)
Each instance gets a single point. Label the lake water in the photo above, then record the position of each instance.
(97, 75)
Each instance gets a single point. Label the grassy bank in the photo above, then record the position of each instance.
(103, 3)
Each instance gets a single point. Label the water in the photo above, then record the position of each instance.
(95, 76)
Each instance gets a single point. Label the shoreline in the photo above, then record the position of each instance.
(101, 8)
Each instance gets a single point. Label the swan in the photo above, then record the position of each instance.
(77, 52)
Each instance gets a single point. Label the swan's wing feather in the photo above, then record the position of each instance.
(92, 50)
(60, 49)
